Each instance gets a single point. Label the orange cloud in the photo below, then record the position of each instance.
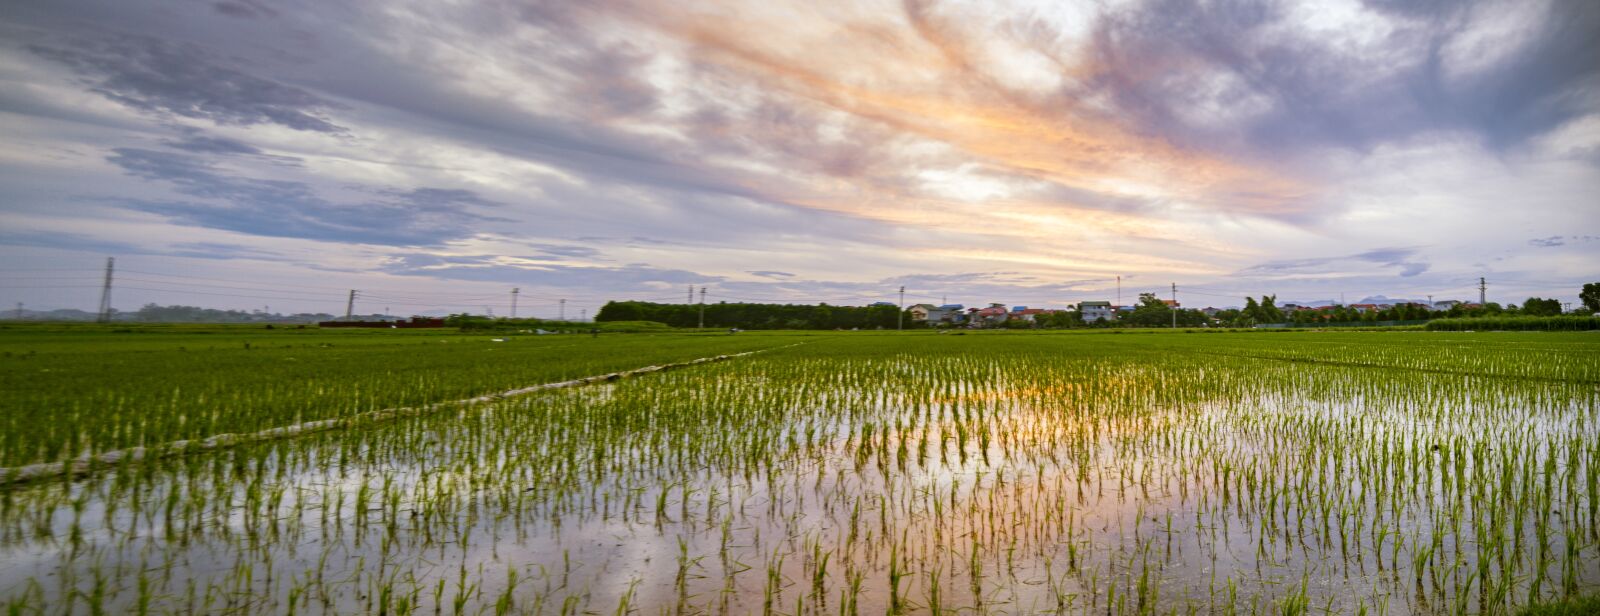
(919, 76)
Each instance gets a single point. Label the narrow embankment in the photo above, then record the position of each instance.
(87, 464)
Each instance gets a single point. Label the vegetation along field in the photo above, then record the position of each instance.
(827, 473)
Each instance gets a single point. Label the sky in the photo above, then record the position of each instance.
(435, 155)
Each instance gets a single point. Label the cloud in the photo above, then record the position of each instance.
(492, 268)
(1279, 77)
(202, 144)
(245, 9)
(774, 150)
(165, 77)
(68, 241)
(1402, 258)
(281, 208)
(196, 142)
(1546, 242)
(89, 243)
(216, 250)
(564, 251)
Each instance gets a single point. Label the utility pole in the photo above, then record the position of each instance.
(702, 305)
(1119, 290)
(105, 292)
(562, 314)
(1174, 305)
(900, 317)
(514, 292)
(19, 311)
(691, 295)
(350, 306)
(583, 315)
(1483, 291)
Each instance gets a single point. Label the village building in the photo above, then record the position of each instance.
(995, 314)
(1029, 315)
(1096, 311)
(947, 313)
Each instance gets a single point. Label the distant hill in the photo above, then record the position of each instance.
(152, 313)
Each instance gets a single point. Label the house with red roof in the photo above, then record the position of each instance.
(995, 314)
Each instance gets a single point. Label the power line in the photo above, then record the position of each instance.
(187, 292)
(230, 280)
(50, 278)
(310, 295)
(399, 294)
(53, 286)
(48, 269)
(1194, 292)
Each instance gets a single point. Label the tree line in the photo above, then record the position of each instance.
(724, 315)
(1151, 311)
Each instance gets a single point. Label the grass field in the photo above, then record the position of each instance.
(1169, 473)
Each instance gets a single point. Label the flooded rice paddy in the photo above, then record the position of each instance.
(992, 474)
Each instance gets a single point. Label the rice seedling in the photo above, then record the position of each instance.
(854, 474)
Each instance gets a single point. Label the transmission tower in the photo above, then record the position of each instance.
(105, 292)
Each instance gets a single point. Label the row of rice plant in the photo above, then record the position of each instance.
(71, 396)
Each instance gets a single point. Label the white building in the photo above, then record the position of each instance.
(1096, 311)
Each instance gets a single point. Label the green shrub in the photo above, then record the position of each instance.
(1561, 323)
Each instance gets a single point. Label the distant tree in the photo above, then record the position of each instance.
(619, 311)
(1269, 309)
(1537, 307)
(822, 317)
(1590, 296)
(1264, 311)
(194, 314)
(1250, 315)
(1151, 312)
(756, 316)
(1061, 319)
